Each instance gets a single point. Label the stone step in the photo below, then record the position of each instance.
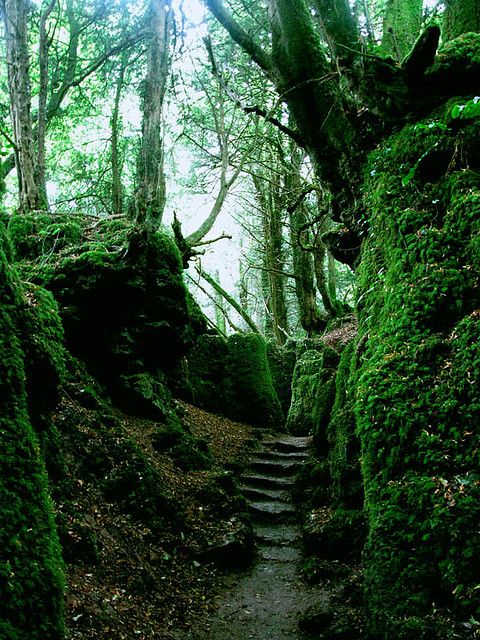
(280, 554)
(285, 535)
(289, 444)
(277, 468)
(261, 493)
(269, 482)
(282, 456)
(272, 511)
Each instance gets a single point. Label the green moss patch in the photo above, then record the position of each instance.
(417, 387)
(31, 578)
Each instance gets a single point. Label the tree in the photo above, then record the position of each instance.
(461, 16)
(15, 15)
(401, 27)
(150, 191)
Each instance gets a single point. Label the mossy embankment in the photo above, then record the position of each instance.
(403, 426)
(416, 393)
(152, 479)
(31, 367)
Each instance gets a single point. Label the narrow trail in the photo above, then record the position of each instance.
(265, 602)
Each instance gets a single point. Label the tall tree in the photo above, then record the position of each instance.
(150, 192)
(15, 15)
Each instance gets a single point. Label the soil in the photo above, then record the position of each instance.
(265, 602)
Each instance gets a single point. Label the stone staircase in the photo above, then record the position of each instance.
(267, 485)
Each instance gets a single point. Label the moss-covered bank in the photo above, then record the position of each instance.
(417, 397)
(124, 305)
(31, 578)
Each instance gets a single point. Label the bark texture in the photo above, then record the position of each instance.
(401, 27)
(15, 17)
(150, 193)
(461, 16)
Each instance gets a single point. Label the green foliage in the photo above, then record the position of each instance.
(416, 391)
(31, 579)
(466, 111)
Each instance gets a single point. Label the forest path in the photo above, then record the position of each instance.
(265, 602)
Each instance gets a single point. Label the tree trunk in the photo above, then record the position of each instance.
(305, 291)
(231, 301)
(339, 28)
(268, 197)
(44, 46)
(116, 161)
(461, 16)
(219, 308)
(401, 27)
(307, 83)
(15, 17)
(150, 192)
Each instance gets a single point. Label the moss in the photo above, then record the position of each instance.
(38, 234)
(344, 450)
(147, 395)
(249, 384)
(312, 391)
(129, 286)
(44, 350)
(31, 579)
(416, 392)
(206, 373)
(281, 361)
(233, 377)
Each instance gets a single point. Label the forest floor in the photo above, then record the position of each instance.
(124, 582)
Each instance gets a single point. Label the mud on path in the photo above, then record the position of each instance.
(266, 601)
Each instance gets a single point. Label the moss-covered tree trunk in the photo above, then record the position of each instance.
(268, 197)
(401, 27)
(461, 16)
(150, 192)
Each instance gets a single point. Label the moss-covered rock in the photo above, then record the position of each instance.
(122, 299)
(281, 361)
(31, 579)
(248, 381)
(233, 377)
(313, 391)
(417, 397)
(39, 234)
(344, 445)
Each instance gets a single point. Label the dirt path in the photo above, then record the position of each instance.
(266, 602)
